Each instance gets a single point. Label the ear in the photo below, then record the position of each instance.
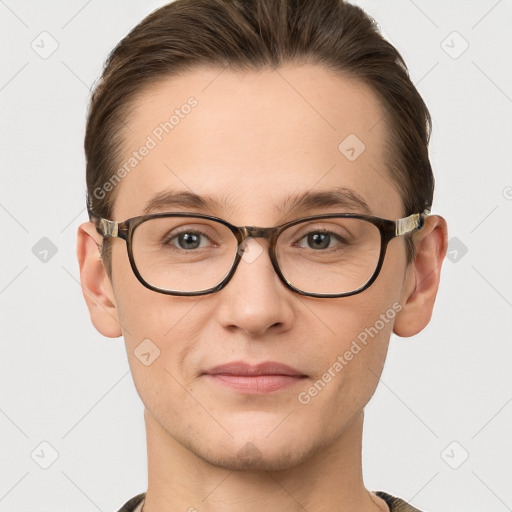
(96, 286)
(422, 277)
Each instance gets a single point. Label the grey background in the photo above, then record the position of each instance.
(445, 394)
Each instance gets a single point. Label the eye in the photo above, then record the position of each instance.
(187, 240)
(321, 239)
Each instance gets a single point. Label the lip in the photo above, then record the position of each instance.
(242, 368)
(262, 378)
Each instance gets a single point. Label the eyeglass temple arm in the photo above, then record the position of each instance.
(108, 228)
(410, 223)
(104, 227)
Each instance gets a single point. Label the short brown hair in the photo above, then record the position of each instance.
(253, 35)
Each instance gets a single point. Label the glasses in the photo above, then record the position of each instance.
(326, 256)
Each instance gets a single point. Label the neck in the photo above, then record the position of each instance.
(329, 480)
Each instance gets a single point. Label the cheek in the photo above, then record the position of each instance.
(351, 357)
(142, 312)
(159, 340)
(159, 330)
(351, 366)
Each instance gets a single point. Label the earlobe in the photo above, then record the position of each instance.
(96, 286)
(422, 279)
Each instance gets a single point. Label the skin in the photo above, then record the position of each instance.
(253, 139)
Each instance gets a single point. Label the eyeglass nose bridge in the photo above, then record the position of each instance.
(257, 232)
(269, 234)
(244, 233)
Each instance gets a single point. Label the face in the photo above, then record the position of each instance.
(250, 142)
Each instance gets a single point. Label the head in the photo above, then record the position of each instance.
(248, 105)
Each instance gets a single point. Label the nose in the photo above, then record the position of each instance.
(255, 300)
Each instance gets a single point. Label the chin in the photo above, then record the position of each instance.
(253, 457)
(256, 449)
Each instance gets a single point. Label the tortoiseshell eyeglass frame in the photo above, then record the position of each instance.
(388, 229)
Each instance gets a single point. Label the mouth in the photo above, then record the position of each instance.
(266, 377)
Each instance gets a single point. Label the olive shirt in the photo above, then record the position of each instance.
(395, 504)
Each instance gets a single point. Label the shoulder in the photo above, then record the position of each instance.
(132, 504)
(396, 504)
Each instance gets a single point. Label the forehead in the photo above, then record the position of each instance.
(252, 140)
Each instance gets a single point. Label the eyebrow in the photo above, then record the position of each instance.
(340, 197)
